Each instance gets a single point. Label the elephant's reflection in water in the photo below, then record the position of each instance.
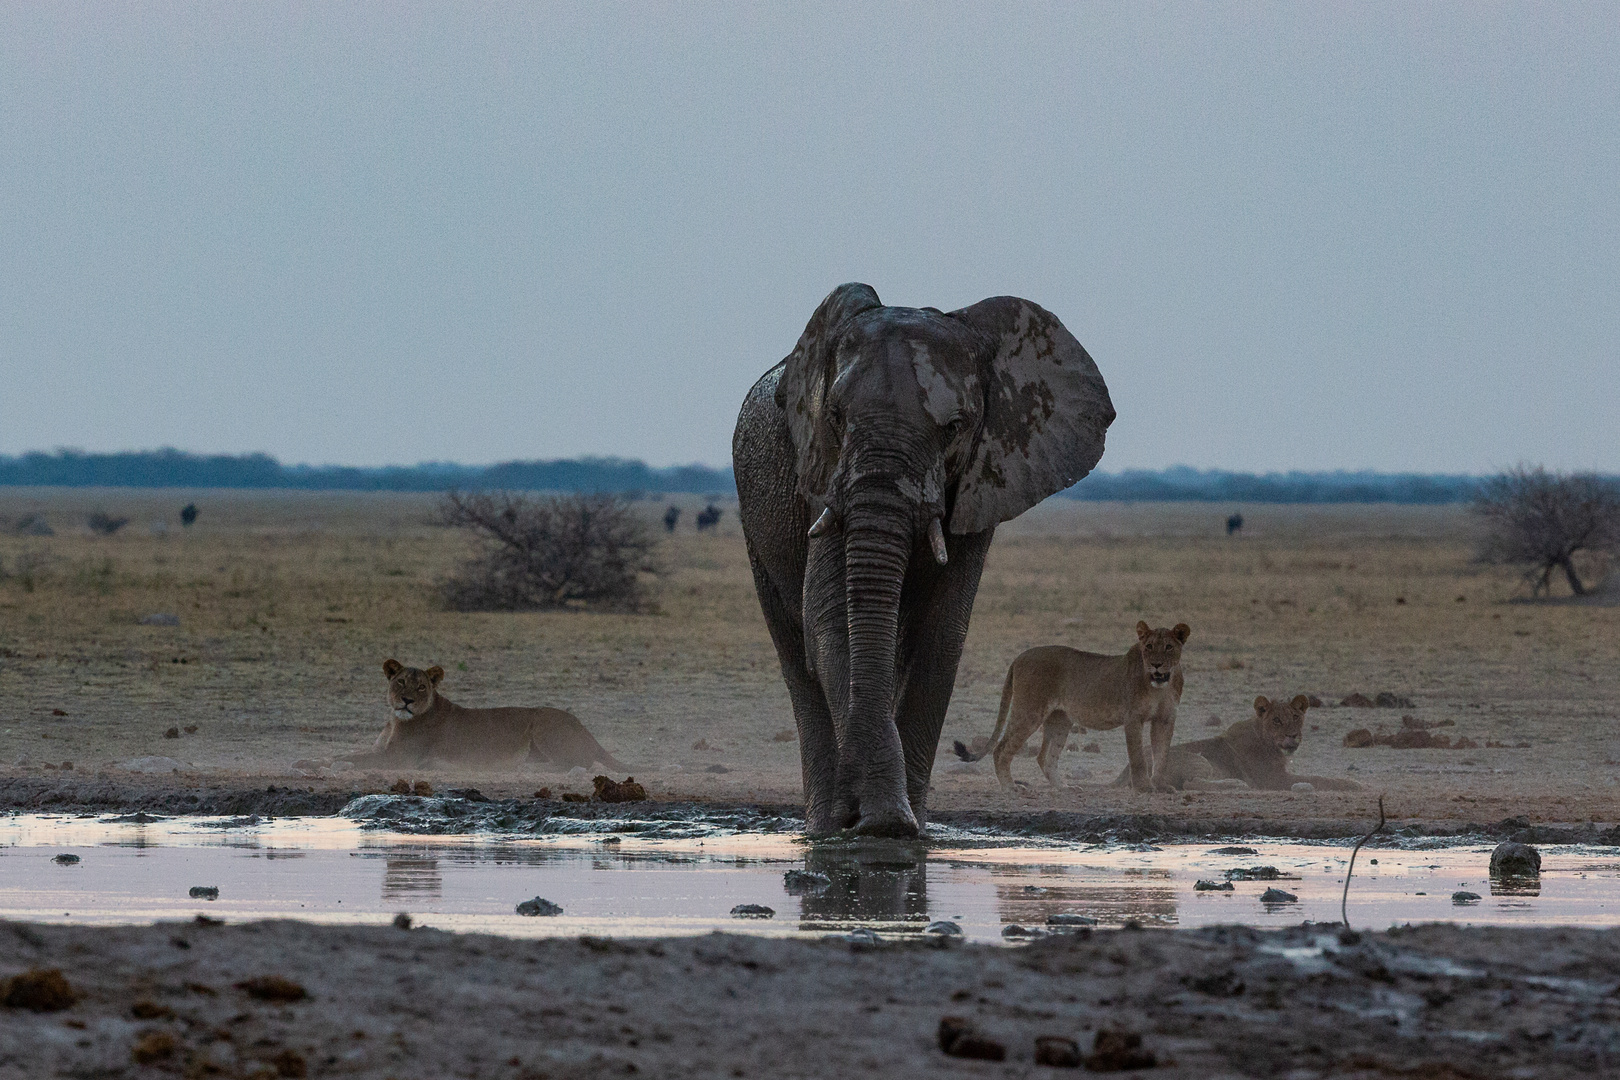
(411, 877)
(880, 883)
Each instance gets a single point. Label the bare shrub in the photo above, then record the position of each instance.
(104, 523)
(548, 552)
(1542, 520)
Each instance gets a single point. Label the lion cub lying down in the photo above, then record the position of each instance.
(427, 726)
(1254, 751)
(1055, 688)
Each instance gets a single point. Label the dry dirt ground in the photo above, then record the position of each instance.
(289, 602)
(1434, 1002)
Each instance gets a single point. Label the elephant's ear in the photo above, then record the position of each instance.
(806, 373)
(1046, 413)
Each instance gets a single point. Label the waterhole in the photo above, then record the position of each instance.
(629, 883)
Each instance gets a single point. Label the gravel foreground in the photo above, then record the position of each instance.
(292, 999)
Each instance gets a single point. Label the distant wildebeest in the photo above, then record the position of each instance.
(1234, 524)
(188, 516)
(671, 516)
(708, 517)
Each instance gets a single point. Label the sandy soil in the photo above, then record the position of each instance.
(289, 602)
(1431, 1002)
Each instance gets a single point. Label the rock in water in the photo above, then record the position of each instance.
(538, 906)
(1277, 896)
(1515, 860)
(66, 860)
(960, 1037)
(613, 791)
(1057, 1051)
(943, 928)
(752, 911)
(1069, 918)
(205, 892)
(1462, 897)
(1212, 886)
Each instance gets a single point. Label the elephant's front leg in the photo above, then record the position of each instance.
(826, 648)
(818, 746)
(934, 619)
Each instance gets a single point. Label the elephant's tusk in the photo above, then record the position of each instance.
(936, 540)
(825, 523)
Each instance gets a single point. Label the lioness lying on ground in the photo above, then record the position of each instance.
(1254, 751)
(429, 727)
(1055, 687)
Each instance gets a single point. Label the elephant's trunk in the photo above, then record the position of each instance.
(879, 531)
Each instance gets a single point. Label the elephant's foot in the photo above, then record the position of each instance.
(897, 821)
(822, 821)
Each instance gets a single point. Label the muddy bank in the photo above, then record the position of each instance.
(500, 808)
(290, 999)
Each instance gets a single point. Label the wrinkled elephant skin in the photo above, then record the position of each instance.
(873, 466)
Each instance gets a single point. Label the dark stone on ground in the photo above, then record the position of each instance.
(1511, 860)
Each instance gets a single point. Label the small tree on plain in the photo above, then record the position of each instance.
(548, 552)
(1541, 520)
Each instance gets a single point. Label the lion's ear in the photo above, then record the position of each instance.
(1142, 631)
(434, 674)
(1300, 702)
(1181, 632)
(1261, 704)
(392, 667)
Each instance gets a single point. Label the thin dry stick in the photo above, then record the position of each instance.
(1345, 899)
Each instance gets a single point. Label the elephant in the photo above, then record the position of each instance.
(873, 465)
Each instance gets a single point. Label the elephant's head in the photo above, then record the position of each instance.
(911, 424)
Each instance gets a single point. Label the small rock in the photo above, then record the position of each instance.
(1387, 700)
(401, 786)
(1277, 896)
(172, 733)
(1359, 739)
(402, 921)
(1116, 1051)
(190, 729)
(752, 911)
(799, 882)
(1302, 786)
(538, 906)
(1213, 886)
(703, 744)
(612, 791)
(1253, 873)
(422, 787)
(1515, 860)
(1057, 1051)
(205, 892)
(66, 859)
(153, 1047)
(959, 1037)
(1462, 896)
(41, 990)
(150, 1010)
(1070, 918)
(1357, 701)
(1234, 851)
(1314, 701)
(1408, 739)
(1015, 932)
(272, 988)
(717, 769)
(943, 928)
(161, 618)
(543, 793)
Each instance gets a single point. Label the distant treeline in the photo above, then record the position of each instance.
(173, 468)
(1182, 484)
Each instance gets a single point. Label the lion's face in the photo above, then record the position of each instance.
(1161, 652)
(1282, 722)
(410, 690)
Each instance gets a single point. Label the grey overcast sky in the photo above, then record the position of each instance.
(1308, 236)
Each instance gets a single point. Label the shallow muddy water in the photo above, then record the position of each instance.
(627, 883)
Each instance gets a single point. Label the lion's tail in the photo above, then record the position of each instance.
(1001, 722)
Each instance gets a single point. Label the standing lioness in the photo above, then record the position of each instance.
(427, 726)
(1056, 687)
